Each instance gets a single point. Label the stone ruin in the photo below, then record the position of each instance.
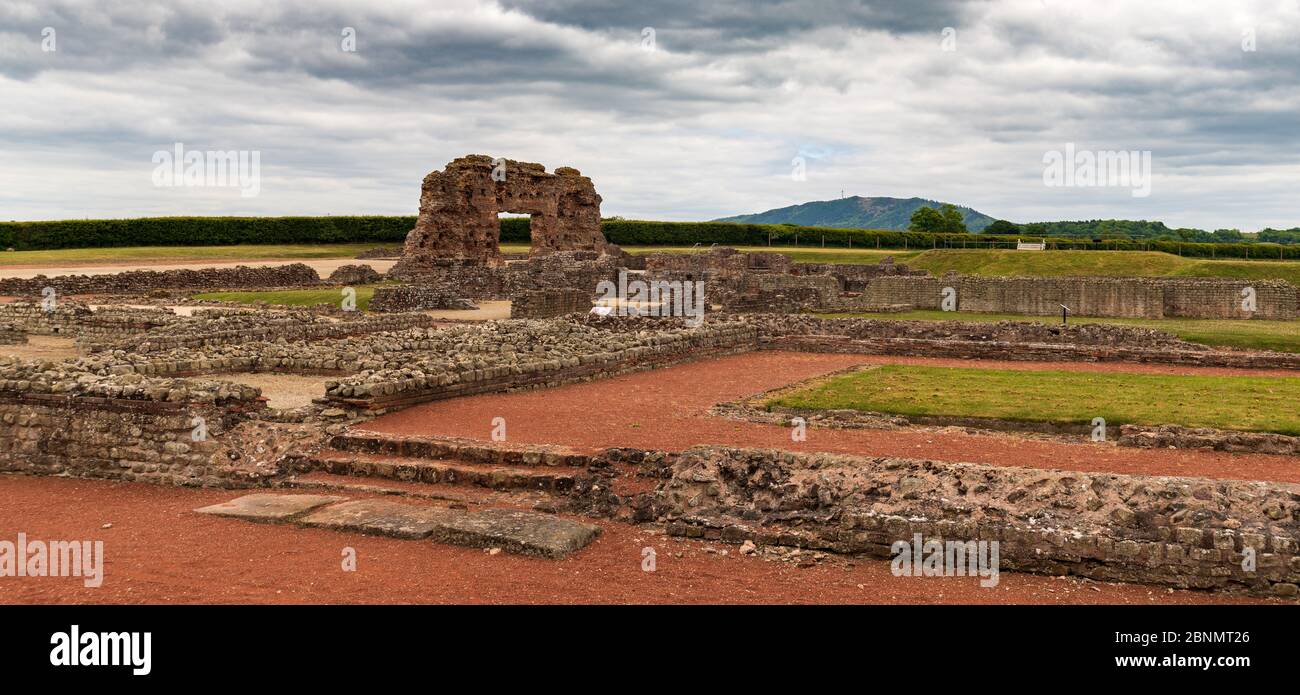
(459, 207)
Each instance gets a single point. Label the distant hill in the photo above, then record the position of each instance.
(857, 212)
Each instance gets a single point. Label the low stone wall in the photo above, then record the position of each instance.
(1184, 532)
(971, 331)
(143, 281)
(355, 274)
(250, 327)
(1204, 298)
(463, 278)
(543, 304)
(72, 318)
(1129, 297)
(1176, 437)
(416, 298)
(11, 335)
(524, 354)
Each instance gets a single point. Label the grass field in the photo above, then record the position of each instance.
(1264, 404)
(1283, 336)
(180, 254)
(294, 297)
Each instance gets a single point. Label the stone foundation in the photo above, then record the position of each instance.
(416, 298)
(144, 281)
(543, 304)
(1184, 532)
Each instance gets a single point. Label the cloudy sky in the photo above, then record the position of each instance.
(679, 110)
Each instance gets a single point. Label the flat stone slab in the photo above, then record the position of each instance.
(379, 517)
(516, 531)
(269, 507)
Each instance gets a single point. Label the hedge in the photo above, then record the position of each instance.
(212, 231)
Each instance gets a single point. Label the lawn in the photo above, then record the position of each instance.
(1282, 336)
(1264, 404)
(332, 295)
(182, 254)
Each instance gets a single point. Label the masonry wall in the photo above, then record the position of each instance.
(417, 298)
(548, 303)
(1117, 297)
(143, 281)
(117, 439)
(710, 340)
(1201, 298)
(1152, 298)
(1185, 532)
(77, 319)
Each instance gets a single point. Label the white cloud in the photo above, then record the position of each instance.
(703, 127)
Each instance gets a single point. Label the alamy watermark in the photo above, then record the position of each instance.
(935, 558)
(654, 298)
(179, 167)
(1074, 168)
(55, 558)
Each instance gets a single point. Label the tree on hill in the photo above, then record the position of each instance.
(952, 220)
(1002, 227)
(926, 219)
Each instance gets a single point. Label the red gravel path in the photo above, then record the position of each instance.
(667, 409)
(159, 551)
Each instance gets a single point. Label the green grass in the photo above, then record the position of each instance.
(1264, 404)
(1001, 262)
(1282, 336)
(181, 254)
(294, 297)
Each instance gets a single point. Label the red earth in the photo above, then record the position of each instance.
(159, 551)
(667, 409)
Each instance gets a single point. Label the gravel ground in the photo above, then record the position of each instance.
(46, 347)
(281, 390)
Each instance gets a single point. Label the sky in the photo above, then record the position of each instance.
(678, 110)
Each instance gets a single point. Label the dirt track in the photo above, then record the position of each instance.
(667, 409)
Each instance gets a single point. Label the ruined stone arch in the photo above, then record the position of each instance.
(459, 207)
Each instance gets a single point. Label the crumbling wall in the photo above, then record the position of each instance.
(142, 281)
(73, 318)
(462, 278)
(542, 304)
(1185, 532)
(459, 207)
(515, 354)
(1134, 297)
(416, 298)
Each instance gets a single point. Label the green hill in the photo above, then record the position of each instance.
(857, 212)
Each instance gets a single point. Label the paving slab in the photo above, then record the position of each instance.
(268, 507)
(516, 531)
(379, 517)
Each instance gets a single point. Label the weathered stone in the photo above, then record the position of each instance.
(269, 507)
(379, 517)
(459, 207)
(518, 532)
